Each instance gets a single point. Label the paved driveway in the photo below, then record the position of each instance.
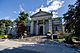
(25, 47)
(17, 50)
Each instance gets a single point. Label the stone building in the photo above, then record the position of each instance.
(42, 22)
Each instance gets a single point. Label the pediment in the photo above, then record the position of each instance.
(41, 13)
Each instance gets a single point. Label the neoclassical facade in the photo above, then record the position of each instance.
(42, 22)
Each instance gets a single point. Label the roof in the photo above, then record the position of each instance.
(47, 13)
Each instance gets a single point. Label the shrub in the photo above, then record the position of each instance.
(9, 36)
(49, 31)
(59, 33)
(5, 36)
(2, 37)
(68, 39)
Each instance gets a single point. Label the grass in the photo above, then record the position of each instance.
(3, 36)
(60, 40)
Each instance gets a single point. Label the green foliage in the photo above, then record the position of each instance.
(2, 28)
(2, 37)
(69, 19)
(72, 18)
(7, 22)
(5, 36)
(22, 22)
(17, 20)
(9, 36)
(69, 38)
(3, 25)
(61, 40)
(23, 17)
(1, 32)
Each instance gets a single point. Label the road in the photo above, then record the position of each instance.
(17, 50)
(25, 47)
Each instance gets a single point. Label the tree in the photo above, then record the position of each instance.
(69, 19)
(22, 22)
(72, 18)
(2, 28)
(3, 25)
(77, 17)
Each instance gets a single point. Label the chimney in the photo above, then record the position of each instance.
(40, 10)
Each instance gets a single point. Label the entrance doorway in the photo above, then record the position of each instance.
(41, 30)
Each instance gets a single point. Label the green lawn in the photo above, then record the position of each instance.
(3, 36)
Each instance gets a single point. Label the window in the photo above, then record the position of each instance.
(56, 28)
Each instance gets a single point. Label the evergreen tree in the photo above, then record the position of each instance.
(72, 18)
(77, 17)
(3, 26)
(22, 22)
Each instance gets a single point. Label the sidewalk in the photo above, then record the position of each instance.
(1, 40)
(49, 48)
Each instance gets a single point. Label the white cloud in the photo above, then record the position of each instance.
(7, 18)
(54, 13)
(54, 16)
(55, 5)
(63, 22)
(52, 5)
(12, 19)
(33, 12)
(49, 1)
(21, 8)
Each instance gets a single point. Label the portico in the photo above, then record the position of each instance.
(41, 23)
(40, 27)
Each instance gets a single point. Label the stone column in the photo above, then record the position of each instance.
(50, 25)
(63, 29)
(43, 27)
(32, 26)
(37, 27)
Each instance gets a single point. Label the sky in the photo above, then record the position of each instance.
(10, 9)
